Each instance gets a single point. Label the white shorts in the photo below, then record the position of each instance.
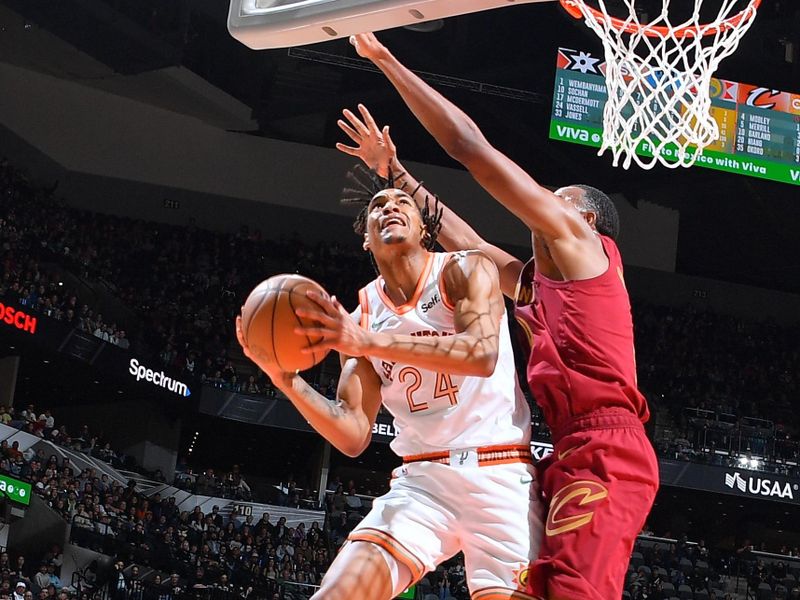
(492, 513)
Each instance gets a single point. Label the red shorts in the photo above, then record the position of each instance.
(598, 486)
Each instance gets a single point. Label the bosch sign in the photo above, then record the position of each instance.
(16, 318)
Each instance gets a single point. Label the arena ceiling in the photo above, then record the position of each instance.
(499, 67)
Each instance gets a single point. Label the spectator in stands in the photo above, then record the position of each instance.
(338, 502)
(207, 483)
(174, 584)
(19, 590)
(55, 580)
(118, 582)
(20, 570)
(216, 517)
(42, 579)
(14, 452)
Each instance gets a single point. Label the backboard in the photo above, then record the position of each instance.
(262, 24)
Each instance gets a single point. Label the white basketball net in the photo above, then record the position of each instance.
(658, 77)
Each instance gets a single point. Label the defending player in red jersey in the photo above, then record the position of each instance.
(602, 477)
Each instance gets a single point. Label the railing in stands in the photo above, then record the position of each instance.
(147, 589)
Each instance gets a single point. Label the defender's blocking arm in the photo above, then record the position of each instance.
(575, 251)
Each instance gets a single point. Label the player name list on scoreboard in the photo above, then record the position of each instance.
(759, 128)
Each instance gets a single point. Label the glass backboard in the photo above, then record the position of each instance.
(262, 24)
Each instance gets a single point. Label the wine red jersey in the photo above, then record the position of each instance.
(580, 333)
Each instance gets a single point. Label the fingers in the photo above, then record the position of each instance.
(240, 332)
(388, 141)
(240, 338)
(318, 347)
(348, 150)
(320, 332)
(357, 123)
(317, 316)
(324, 302)
(370, 122)
(351, 133)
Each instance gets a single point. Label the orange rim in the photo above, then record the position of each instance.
(576, 7)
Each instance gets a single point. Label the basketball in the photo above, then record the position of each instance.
(269, 321)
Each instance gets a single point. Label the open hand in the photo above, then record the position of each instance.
(334, 325)
(374, 146)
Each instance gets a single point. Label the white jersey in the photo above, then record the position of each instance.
(438, 411)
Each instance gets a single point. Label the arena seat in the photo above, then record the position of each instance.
(686, 566)
(764, 592)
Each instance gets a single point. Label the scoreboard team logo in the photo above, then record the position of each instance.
(725, 91)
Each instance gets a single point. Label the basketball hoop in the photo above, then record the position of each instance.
(658, 76)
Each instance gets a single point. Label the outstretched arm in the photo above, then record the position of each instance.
(471, 284)
(575, 251)
(345, 422)
(375, 147)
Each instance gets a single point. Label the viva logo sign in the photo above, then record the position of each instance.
(759, 487)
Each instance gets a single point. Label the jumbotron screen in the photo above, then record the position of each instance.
(759, 127)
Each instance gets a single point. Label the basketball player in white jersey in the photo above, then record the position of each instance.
(430, 342)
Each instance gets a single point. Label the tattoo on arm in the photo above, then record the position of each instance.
(335, 408)
(478, 316)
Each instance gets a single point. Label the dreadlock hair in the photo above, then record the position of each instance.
(599, 203)
(366, 183)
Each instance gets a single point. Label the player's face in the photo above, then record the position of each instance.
(393, 219)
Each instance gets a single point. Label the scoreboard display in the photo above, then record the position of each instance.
(759, 127)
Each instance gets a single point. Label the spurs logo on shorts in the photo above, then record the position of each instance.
(565, 500)
(521, 576)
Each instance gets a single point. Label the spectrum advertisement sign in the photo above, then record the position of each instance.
(106, 359)
(158, 378)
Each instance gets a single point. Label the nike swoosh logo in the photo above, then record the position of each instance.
(525, 479)
(386, 323)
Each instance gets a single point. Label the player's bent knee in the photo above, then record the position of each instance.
(366, 571)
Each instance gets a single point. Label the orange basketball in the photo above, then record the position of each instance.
(269, 321)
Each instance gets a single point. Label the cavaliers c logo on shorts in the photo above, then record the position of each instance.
(562, 516)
